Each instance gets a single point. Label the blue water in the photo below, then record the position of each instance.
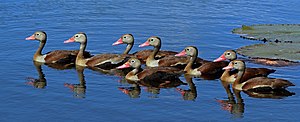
(206, 24)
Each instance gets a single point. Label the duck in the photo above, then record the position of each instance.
(142, 55)
(256, 83)
(230, 76)
(56, 56)
(207, 68)
(102, 61)
(160, 75)
(152, 61)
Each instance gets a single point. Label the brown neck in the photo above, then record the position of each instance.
(133, 72)
(39, 50)
(192, 60)
(128, 48)
(239, 77)
(154, 52)
(81, 51)
(225, 75)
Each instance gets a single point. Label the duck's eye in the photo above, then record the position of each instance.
(125, 37)
(235, 63)
(132, 61)
(151, 40)
(187, 49)
(228, 53)
(37, 34)
(76, 36)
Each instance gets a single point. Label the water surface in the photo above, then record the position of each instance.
(205, 24)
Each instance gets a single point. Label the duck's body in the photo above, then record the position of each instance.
(142, 55)
(230, 76)
(162, 75)
(170, 60)
(207, 68)
(257, 83)
(56, 56)
(103, 61)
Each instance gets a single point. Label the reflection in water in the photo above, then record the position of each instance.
(190, 94)
(78, 89)
(274, 94)
(235, 107)
(41, 82)
(134, 91)
(115, 72)
(152, 87)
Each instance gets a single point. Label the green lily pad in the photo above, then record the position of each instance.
(286, 52)
(285, 33)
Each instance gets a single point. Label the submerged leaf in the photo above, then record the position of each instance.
(285, 33)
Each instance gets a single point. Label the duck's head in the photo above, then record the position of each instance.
(38, 35)
(79, 37)
(125, 39)
(189, 51)
(228, 54)
(132, 62)
(152, 41)
(236, 64)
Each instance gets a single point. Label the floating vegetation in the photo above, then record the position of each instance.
(284, 33)
(282, 49)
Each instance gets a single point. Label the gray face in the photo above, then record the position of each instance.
(239, 65)
(191, 51)
(230, 55)
(41, 36)
(135, 63)
(127, 39)
(80, 37)
(154, 41)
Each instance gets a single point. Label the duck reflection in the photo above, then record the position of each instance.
(191, 93)
(273, 94)
(133, 92)
(152, 87)
(78, 89)
(41, 82)
(115, 72)
(235, 107)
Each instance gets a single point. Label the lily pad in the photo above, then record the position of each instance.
(285, 33)
(278, 52)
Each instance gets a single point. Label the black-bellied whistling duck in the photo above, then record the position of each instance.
(163, 75)
(125, 39)
(143, 54)
(257, 83)
(172, 60)
(208, 68)
(103, 61)
(229, 76)
(56, 56)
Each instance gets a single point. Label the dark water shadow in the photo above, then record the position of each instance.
(151, 87)
(191, 93)
(39, 82)
(235, 103)
(79, 90)
(114, 72)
